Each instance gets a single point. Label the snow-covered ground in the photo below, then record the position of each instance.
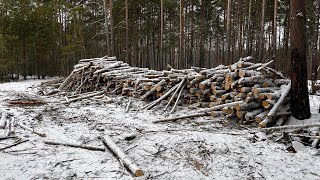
(181, 150)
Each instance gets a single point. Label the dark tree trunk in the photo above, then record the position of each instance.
(300, 107)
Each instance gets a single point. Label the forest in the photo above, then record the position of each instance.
(48, 37)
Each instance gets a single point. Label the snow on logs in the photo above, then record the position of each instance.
(251, 92)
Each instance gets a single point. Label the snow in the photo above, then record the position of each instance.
(181, 150)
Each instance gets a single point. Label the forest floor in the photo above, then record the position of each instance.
(187, 149)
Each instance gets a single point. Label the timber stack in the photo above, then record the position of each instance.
(252, 92)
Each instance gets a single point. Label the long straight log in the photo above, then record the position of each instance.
(152, 104)
(174, 94)
(175, 104)
(109, 143)
(84, 97)
(74, 145)
(272, 112)
(219, 107)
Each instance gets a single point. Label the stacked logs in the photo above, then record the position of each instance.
(254, 89)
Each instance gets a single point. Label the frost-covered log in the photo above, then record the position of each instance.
(276, 106)
(110, 144)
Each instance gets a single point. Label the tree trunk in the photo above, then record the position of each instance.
(274, 32)
(228, 32)
(161, 35)
(181, 58)
(300, 107)
(314, 46)
(107, 25)
(127, 32)
(261, 41)
(111, 29)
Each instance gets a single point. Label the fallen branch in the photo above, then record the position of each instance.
(74, 145)
(26, 102)
(128, 106)
(15, 144)
(32, 130)
(182, 117)
(109, 143)
(290, 127)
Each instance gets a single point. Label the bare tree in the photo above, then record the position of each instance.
(111, 28)
(181, 33)
(274, 32)
(106, 24)
(314, 56)
(261, 41)
(300, 106)
(161, 34)
(127, 31)
(228, 31)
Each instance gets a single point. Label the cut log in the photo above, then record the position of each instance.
(74, 145)
(247, 106)
(252, 114)
(84, 97)
(267, 104)
(153, 89)
(217, 113)
(175, 104)
(259, 117)
(152, 104)
(127, 162)
(175, 92)
(268, 119)
(219, 107)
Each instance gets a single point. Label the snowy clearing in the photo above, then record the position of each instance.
(187, 149)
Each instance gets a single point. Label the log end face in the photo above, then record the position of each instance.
(262, 125)
(138, 173)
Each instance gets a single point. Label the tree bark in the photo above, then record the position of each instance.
(181, 58)
(314, 57)
(300, 106)
(228, 32)
(111, 28)
(106, 25)
(274, 32)
(127, 32)
(261, 41)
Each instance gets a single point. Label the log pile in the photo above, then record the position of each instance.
(252, 92)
